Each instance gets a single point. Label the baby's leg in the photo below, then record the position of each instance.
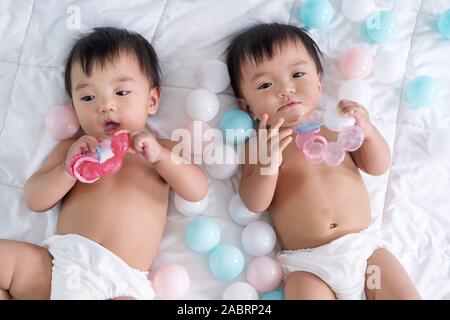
(306, 286)
(25, 271)
(386, 278)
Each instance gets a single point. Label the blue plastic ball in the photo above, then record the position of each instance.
(316, 14)
(273, 295)
(381, 26)
(444, 24)
(236, 126)
(226, 262)
(421, 92)
(202, 234)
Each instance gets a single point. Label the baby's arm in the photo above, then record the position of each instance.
(185, 178)
(258, 181)
(51, 182)
(256, 190)
(374, 156)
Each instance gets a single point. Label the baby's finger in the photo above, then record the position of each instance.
(284, 133)
(284, 143)
(275, 128)
(263, 121)
(278, 124)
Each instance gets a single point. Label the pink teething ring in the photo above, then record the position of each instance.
(91, 173)
(314, 147)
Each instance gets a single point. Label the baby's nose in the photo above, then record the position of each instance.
(107, 108)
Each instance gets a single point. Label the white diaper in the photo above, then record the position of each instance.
(84, 270)
(341, 263)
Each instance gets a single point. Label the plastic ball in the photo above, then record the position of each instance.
(221, 162)
(202, 104)
(273, 295)
(316, 14)
(356, 90)
(351, 138)
(356, 63)
(171, 282)
(421, 92)
(236, 126)
(357, 10)
(334, 120)
(444, 24)
(202, 234)
(258, 238)
(226, 262)
(264, 273)
(196, 130)
(213, 75)
(334, 154)
(239, 212)
(438, 145)
(61, 122)
(389, 67)
(381, 26)
(240, 291)
(189, 208)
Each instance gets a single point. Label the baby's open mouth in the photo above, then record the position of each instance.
(110, 127)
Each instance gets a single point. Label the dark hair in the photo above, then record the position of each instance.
(105, 44)
(260, 42)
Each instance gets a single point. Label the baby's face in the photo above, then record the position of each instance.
(115, 97)
(287, 86)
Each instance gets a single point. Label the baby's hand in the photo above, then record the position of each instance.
(85, 144)
(280, 139)
(146, 145)
(351, 108)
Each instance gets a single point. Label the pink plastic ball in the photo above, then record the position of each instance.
(264, 273)
(356, 63)
(62, 122)
(171, 282)
(196, 129)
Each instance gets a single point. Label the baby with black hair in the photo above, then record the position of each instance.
(320, 213)
(108, 232)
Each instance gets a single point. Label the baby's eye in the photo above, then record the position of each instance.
(265, 86)
(298, 74)
(122, 93)
(88, 98)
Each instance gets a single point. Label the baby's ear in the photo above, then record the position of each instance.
(153, 104)
(320, 77)
(242, 104)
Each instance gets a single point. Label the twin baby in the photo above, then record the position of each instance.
(108, 232)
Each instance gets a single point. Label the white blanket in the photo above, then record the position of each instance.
(410, 202)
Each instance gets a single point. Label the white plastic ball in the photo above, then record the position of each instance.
(258, 238)
(239, 212)
(188, 208)
(438, 145)
(388, 67)
(222, 162)
(357, 10)
(213, 75)
(334, 120)
(240, 291)
(356, 90)
(202, 104)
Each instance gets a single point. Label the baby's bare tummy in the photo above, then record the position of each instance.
(316, 204)
(124, 213)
